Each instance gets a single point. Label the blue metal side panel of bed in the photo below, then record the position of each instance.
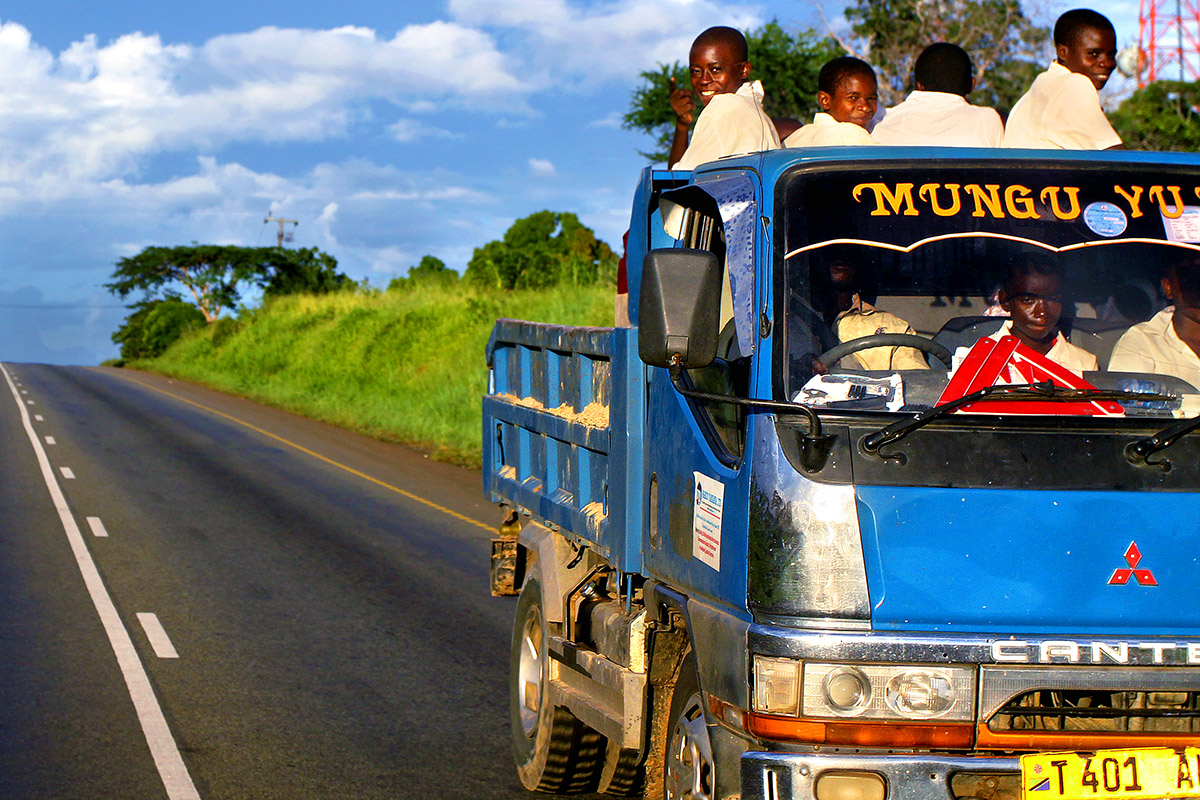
(562, 432)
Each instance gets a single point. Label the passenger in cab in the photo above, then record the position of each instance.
(848, 95)
(1033, 298)
(732, 120)
(851, 317)
(1062, 109)
(1168, 342)
(937, 112)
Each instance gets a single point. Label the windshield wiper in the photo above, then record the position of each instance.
(1138, 453)
(1046, 391)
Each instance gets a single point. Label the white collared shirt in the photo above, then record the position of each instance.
(1060, 111)
(1063, 353)
(1153, 346)
(941, 119)
(731, 124)
(825, 130)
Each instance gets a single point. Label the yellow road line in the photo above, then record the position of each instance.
(318, 456)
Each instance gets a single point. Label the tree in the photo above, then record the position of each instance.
(303, 271)
(1163, 116)
(1004, 44)
(787, 64)
(155, 325)
(213, 274)
(430, 271)
(543, 249)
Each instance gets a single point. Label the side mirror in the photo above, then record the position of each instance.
(679, 308)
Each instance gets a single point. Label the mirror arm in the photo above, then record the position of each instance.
(816, 446)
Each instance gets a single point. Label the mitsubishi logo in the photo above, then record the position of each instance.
(1121, 576)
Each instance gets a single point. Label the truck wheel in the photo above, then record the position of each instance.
(555, 752)
(689, 762)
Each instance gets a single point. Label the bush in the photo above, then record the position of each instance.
(154, 326)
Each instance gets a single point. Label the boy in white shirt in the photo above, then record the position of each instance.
(1168, 342)
(732, 120)
(1032, 296)
(1062, 110)
(848, 95)
(937, 112)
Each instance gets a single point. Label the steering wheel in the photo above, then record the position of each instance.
(836, 354)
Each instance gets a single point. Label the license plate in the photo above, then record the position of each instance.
(1140, 773)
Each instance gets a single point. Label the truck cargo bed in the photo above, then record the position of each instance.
(561, 408)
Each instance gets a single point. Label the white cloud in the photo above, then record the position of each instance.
(541, 167)
(608, 40)
(409, 130)
(95, 112)
(612, 120)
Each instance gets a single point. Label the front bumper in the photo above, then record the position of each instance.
(783, 776)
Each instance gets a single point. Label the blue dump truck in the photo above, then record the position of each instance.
(820, 524)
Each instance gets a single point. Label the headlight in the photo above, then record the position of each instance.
(846, 691)
(873, 691)
(922, 694)
(776, 685)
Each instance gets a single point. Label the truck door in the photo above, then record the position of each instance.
(697, 475)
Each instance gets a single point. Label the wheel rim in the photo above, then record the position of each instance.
(689, 760)
(529, 671)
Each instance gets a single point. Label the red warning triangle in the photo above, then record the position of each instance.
(1008, 361)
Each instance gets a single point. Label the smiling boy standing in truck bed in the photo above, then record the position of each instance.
(1062, 108)
(732, 120)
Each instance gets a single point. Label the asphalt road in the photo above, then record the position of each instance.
(203, 597)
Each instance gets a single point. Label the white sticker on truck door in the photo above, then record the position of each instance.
(706, 520)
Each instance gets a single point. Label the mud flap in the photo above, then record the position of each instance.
(507, 559)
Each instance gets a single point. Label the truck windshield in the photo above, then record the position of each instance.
(905, 286)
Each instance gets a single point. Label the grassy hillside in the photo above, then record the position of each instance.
(404, 366)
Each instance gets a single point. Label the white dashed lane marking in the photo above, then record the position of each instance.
(66, 473)
(97, 527)
(50, 440)
(157, 636)
(38, 417)
(165, 752)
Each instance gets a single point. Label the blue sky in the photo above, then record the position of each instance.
(389, 129)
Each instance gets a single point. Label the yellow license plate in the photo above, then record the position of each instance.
(1140, 773)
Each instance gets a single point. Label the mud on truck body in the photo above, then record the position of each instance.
(750, 567)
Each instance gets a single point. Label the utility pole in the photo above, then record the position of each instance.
(284, 236)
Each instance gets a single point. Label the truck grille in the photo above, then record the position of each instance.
(1148, 711)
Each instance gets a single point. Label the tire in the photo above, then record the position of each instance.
(554, 751)
(689, 771)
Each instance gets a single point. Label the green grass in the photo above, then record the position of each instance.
(405, 366)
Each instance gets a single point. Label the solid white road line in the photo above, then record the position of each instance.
(38, 417)
(97, 527)
(66, 472)
(157, 636)
(171, 769)
(50, 440)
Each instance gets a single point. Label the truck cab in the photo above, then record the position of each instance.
(842, 532)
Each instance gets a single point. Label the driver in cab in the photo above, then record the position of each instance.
(851, 318)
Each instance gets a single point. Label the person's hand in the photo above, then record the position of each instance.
(683, 104)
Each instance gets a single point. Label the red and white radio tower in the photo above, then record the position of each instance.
(1168, 41)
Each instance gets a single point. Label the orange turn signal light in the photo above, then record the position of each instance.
(952, 736)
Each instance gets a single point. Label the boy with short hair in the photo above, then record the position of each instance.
(848, 95)
(1032, 296)
(937, 111)
(1062, 110)
(1169, 342)
(732, 121)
